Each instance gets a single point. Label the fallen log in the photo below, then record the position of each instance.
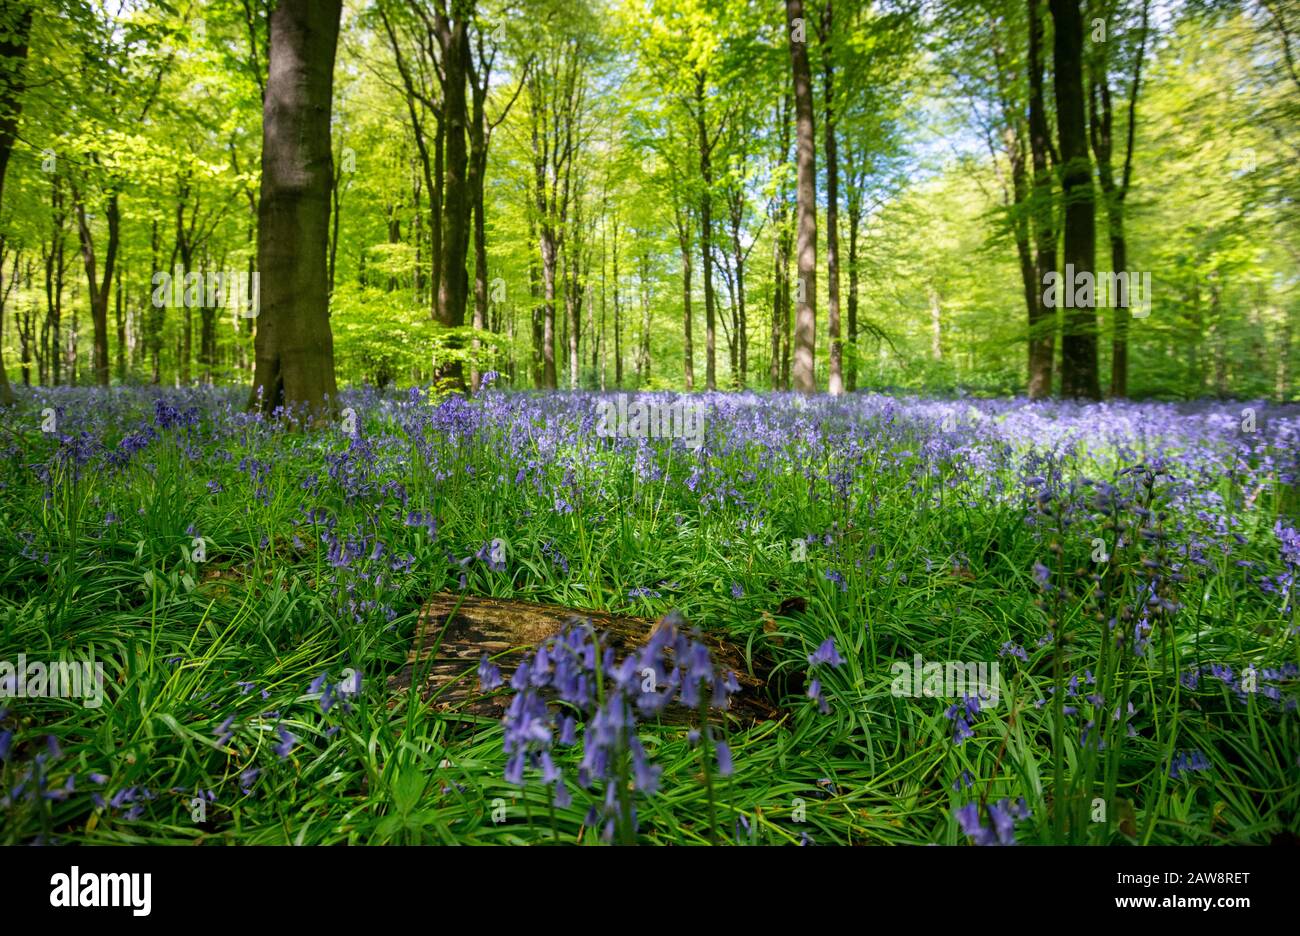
(454, 631)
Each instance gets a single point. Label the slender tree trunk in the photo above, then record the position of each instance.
(1114, 191)
(479, 140)
(1042, 319)
(535, 293)
(436, 270)
(643, 288)
(851, 367)
(706, 236)
(6, 391)
(119, 320)
(688, 349)
(157, 310)
(618, 310)
(835, 379)
(741, 321)
(779, 290)
(294, 344)
(478, 165)
(548, 291)
(787, 308)
(778, 368)
(100, 289)
(572, 308)
(1119, 264)
(805, 380)
(936, 325)
(601, 344)
(1019, 219)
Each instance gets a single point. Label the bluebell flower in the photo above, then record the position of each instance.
(1187, 762)
(287, 742)
(724, 758)
(1003, 824)
(826, 653)
(968, 818)
(1011, 649)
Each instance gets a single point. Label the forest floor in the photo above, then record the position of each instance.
(1119, 579)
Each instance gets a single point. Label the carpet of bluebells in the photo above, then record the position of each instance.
(251, 589)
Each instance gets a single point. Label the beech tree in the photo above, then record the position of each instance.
(1079, 331)
(294, 345)
(805, 338)
(15, 26)
(1103, 64)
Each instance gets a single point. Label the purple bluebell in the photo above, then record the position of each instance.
(287, 742)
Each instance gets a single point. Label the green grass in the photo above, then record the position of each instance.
(929, 566)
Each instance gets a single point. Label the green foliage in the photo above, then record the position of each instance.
(158, 112)
(379, 336)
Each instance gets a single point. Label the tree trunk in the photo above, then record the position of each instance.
(535, 312)
(99, 290)
(157, 311)
(119, 320)
(779, 290)
(477, 169)
(643, 354)
(835, 379)
(741, 320)
(1079, 338)
(688, 349)
(6, 391)
(936, 325)
(778, 369)
(805, 380)
(573, 309)
(851, 368)
(435, 217)
(1042, 319)
(54, 271)
(453, 295)
(294, 345)
(706, 236)
(15, 27)
(548, 292)
(1115, 190)
(618, 312)
(480, 138)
